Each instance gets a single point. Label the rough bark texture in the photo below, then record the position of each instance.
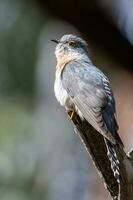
(96, 147)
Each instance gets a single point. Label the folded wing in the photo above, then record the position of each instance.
(90, 91)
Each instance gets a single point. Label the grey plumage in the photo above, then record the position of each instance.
(92, 94)
(89, 93)
(85, 84)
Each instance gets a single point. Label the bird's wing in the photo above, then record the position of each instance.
(90, 91)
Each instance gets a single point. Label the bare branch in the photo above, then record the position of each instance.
(96, 147)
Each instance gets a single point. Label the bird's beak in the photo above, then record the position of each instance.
(56, 41)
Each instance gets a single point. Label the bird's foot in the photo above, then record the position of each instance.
(71, 114)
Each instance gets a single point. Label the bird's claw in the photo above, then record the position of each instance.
(71, 114)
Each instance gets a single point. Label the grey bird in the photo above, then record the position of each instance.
(83, 88)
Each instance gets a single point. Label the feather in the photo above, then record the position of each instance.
(91, 93)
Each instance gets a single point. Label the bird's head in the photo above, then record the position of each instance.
(70, 44)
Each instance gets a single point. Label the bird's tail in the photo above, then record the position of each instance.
(115, 165)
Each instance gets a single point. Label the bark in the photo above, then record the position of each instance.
(95, 146)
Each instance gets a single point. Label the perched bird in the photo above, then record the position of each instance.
(82, 88)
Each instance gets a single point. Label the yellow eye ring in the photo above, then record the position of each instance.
(72, 44)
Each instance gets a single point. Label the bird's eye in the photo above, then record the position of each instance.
(72, 44)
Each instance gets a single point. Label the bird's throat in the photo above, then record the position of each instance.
(62, 60)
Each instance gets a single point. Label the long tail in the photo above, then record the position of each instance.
(115, 165)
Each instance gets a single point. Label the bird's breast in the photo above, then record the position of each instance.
(61, 94)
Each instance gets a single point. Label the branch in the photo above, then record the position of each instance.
(96, 147)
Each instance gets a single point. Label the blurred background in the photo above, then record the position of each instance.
(40, 156)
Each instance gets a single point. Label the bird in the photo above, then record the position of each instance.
(82, 88)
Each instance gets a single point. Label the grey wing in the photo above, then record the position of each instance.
(86, 87)
(109, 112)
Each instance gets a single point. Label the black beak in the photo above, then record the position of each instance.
(56, 41)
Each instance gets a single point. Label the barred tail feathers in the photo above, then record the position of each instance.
(115, 165)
